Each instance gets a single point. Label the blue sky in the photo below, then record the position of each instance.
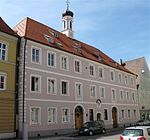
(119, 28)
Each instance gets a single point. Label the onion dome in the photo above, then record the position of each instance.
(68, 13)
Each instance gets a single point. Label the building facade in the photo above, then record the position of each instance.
(8, 52)
(140, 67)
(64, 82)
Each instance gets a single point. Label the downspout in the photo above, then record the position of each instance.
(16, 85)
(24, 79)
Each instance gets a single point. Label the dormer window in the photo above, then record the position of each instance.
(49, 39)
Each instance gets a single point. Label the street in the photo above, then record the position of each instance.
(108, 136)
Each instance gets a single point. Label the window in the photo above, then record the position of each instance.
(3, 49)
(78, 88)
(93, 90)
(122, 114)
(112, 76)
(35, 115)
(129, 114)
(35, 83)
(51, 115)
(91, 115)
(132, 82)
(102, 92)
(133, 96)
(51, 56)
(64, 63)
(101, 72)
(35, 55)
(120, 78)
(127, 95)
(134, 112)
(92, 70)
(126, 80)
(2, 81)
(64, 87)
(51, 86)
(113, 92)
(105, 114)
(77, 65)
(121, 95)
(65, 115)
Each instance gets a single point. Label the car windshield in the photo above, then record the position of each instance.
(87, 124)
(133, 132)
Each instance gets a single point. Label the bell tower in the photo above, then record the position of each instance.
(67, 20)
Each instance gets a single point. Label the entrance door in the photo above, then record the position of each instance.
(114, 117)
(98, 116)
(78, 117)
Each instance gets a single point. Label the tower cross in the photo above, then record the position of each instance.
(67, 1)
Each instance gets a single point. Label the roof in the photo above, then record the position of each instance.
(38, 32)
(6, 29)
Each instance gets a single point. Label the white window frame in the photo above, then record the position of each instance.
(92, 65)
(37, 76)
(132, 81)
(133, 96)
(100, 67)
(120, 80)
(104, 92)
(129, 113)
(112, 72)
(126, 79)
(67, 87)
(80, 66)
(91, 91)
(61, 62)
(81, 90)
(55, 115)
(122, 113)
(5, 80)
(6, 50)
(63, 108)
(40, 55)
(127, 95)
(55, 86)
(122, 94)
(39, 116)
(51, 53)
(114, 96)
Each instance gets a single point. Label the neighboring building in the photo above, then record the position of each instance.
(8, 50)
(139, 66)
(64, 82)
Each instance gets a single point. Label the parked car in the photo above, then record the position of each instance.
(143, 122)
(92, 127)
(136, 133)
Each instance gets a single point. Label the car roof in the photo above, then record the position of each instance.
(138, 127)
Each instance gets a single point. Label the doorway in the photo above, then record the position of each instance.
(114, 117)
(78, 117)
(98, 116)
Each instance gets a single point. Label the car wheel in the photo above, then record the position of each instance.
(103, 131)
(91, 133)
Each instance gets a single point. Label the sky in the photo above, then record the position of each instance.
(119, 28)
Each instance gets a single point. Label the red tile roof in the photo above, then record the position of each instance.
(5, 28)
(36, 31)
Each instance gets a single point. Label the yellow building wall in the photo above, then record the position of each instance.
(7, 97)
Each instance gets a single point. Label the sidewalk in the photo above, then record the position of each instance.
(69, 136)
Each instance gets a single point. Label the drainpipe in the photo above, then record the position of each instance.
(137, 86)
(16, 86)
(25, 133)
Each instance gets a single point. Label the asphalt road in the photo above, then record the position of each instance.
(108, 136)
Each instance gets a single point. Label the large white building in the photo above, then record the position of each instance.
(139, 66)
(65, 82)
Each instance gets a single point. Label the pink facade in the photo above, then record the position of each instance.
(44, 100)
